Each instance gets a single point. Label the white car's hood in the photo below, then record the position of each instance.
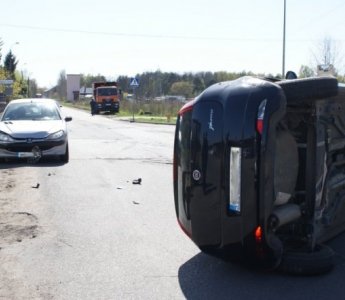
(31, 129)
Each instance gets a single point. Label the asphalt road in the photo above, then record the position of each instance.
(83, 230)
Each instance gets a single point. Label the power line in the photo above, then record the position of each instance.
(152, 36)
(322, 15)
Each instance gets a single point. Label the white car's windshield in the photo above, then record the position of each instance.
(31, 111)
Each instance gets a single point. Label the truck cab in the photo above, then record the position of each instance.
(106, 97)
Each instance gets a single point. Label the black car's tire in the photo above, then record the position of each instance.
(320, 261)
(65, 157)
(299, 91)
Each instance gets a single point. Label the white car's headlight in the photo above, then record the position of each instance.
(56, 135)
(5, 138)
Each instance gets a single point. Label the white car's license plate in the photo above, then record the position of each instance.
(24, 154)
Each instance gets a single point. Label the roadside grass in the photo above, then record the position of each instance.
(153, 120)
(143, 112)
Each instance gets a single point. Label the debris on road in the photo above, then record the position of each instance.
(36, 186)
(134, 202)
(137, 181)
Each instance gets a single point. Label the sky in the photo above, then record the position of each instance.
(112, 38)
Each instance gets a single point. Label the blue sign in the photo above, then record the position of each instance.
(134, 82)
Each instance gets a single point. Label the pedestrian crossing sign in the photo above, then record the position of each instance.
(134, 82)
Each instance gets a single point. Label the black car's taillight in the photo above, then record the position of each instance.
(182, 166)
(260, 117)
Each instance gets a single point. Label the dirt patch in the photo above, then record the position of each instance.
(18, 221)
(17, 226)
(20, 213)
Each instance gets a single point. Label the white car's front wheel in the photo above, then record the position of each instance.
(65, 157)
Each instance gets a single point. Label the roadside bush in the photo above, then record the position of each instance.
(155, 108)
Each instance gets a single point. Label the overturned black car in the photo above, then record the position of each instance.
(259, 168)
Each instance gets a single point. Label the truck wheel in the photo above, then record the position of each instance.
(299, 91)
(319, 261)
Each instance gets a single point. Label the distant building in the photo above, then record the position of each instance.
(85, 92)
(325, 70)
(50, 92)
(172, 98)
(73, 86)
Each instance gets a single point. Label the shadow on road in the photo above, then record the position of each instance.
(205, 277)
(42, 163)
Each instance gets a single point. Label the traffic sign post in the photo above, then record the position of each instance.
(134, 84)
(7, 88)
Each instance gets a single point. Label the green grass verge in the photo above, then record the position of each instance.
(128, 115)
(154, 120)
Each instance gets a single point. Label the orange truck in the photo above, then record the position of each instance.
(106, 97)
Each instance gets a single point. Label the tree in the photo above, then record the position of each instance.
(182, 88)
(17, 85)
(209, 79)
(87, 80)
(1, 44)
(61, 88)
(10, 63)
(198, 84)
(123, 83)
(306, 71)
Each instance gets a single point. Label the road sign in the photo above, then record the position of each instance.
(6, 82)
(134, 82)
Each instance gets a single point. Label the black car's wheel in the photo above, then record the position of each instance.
(299, 91)
(319, 261)
(65, 157)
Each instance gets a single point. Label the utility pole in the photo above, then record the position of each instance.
(28, 87)
(134, 99)
(284, 29)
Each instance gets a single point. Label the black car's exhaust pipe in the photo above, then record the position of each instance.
(284, 214)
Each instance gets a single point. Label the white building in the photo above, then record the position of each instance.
(73, 86)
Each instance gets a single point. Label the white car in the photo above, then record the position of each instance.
(33, 128)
